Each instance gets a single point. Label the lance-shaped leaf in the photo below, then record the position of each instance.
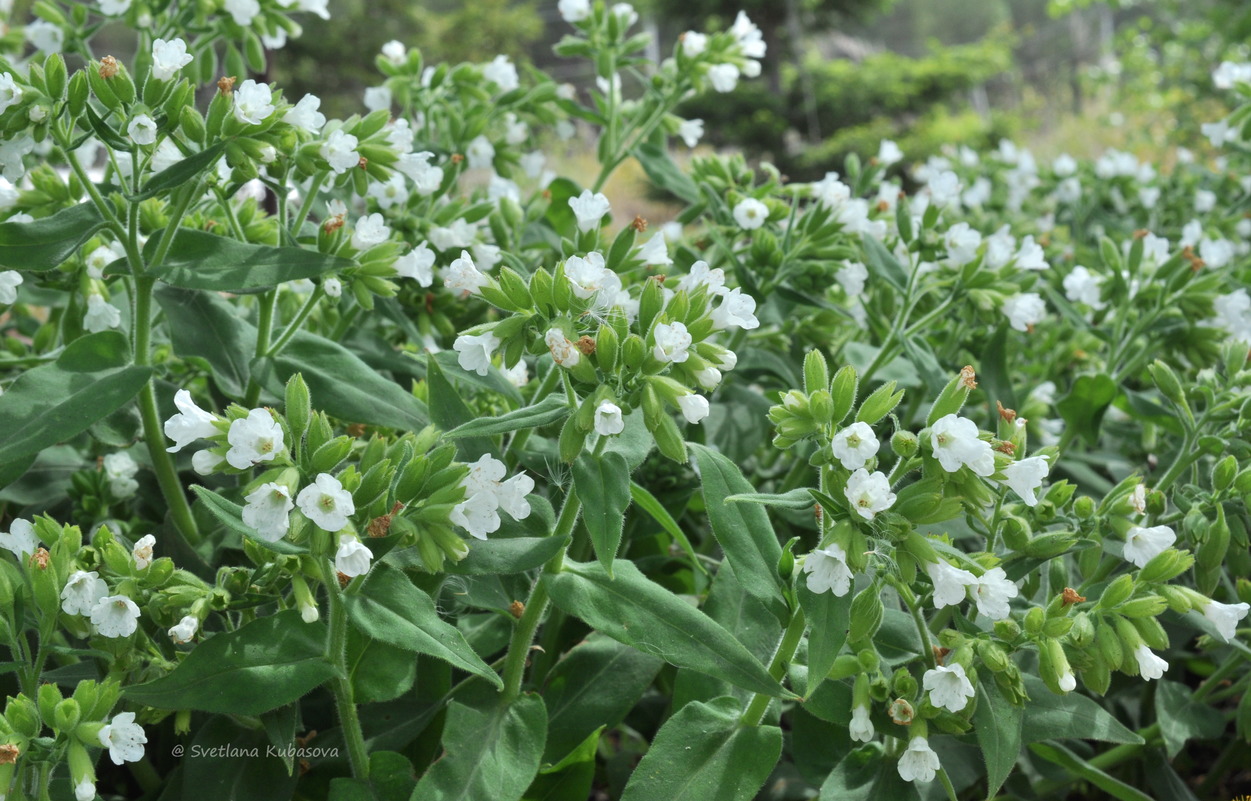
(742, 529)
(54, 402)
(603, 485)
(490, 752)
(389, 607)
(200, 260)
(703, 754)
(45, 244)
(205, 326)
(551, 409)
(640, 613)
(998, 727)
(828, 619)
(263, 665)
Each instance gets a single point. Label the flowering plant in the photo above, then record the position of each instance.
(377, 434)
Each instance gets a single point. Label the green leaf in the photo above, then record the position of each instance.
(551, 409)
(866, 775)
(378, 670)
(993, 370)
(665, 173)
(1084, 406)
(449, 411)
(1181, 719)
(1055, 717)
(632, 609)
(390, 779)
(487, 753)
(205, 326)
(1070, 761)
(559, 215)
(389, 607)
(828, 619)
(230, 515)
(242, 769)
(883, 264)
(650, 504)
(603, 485)
(703, 754)
(263, 665)
(997, 723)
(55, 402)
(45, 244)
(596, 684)
(743, 530)
(341, 384)
(572, 778)
(505, 556)
(181, 171)
(200, 260)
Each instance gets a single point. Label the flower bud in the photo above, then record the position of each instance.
(786, 562)
(904, 444)
(1015, 533)
(1109, 645)
(1035, 619)
(66, 715)
(1212, 549)
(1007, 629)
(1084, 507)
(821, 407)
(903, 683)
(845, 666)
(1224, 472)
(993, 656)
(869, 660)
(1152, 632)
(633, 351)
(79, 90)
(1156, 502)
(1047, 546)
(866, 615)
(843, 391)
(541, 290)
(21, 714)
(1117, 592)
(1061, 492)
(1053, 665)
(1082, 633)
(1165, 566)
(1166, 381)
(606, 348)
(572, 440)
(816, 372)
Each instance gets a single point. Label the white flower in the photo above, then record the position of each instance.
(1144, 544)
(956, 444)
(855, 445)
(12, 154)
(672, 341)
(626, 14)
(480, 153)
(511, 496)
(142, 551)
(243, 11)
(477, 514)
(462, 276)
(1216, 253)
(20, 539)
(120, 470)
(723, 77)
(693, 407)
(888, 153)
(417, 264)
(861, 727)
(85, 790)
(589, 209)
(167, 155)
(992, 592)
(191, 422)
(736, 310)
(1224, 617)
(10, 92)
(919, 763)
(950, 583)
(10, 280)
(305, 116)
(608, 419)
(255, 438)
(693, 43)
(869, 493)
(115, 616)
(1024, 310)
(654, 251)
(944, 188)
(253, 102)
(709, 378)
(339, 151)
(101, 315)
(700, 275)
(377, 98)
(828, 571)
(750, 214)
(395, 52)
(750, 39)
(1082, 286)
(691, 131)
(476, 351)
(326, 503)
(124, 738)
(182, 632)
(1233, 313)
(45, 36)
(589, 275)
(1025, 476)
(82, 592)
(142, 130)
(948, 687)
(1150, 666)
(573, 11)
(205, 462)
(267, 510)
(502, 73)
(352, 558)
(851, 277)
(962, 243)
(1031, 255)
(425, 176)
(564, 352)
(370, 230)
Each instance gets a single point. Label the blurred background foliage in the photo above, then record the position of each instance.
(1073, 76)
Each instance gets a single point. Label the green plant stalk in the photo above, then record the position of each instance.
(759, 704)
(946, 780)
(336, 652)
(914, 608)
(536, 604)
(294, 326)
(513, 454)
(264, 329)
